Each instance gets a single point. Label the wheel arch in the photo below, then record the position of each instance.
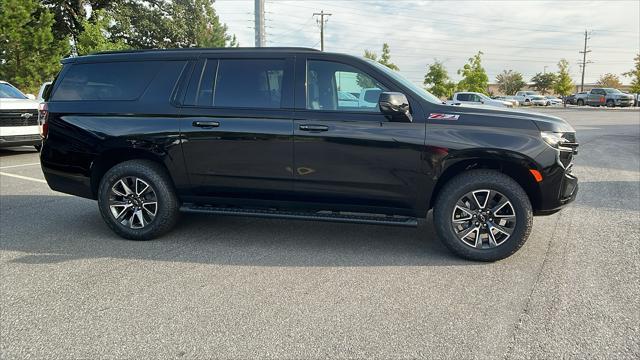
(514, 165)
(113, 157)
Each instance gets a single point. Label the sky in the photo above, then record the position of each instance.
(525, 36)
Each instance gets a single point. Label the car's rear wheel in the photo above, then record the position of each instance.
(580, 102)
(483, 215)
(610, 103)
(137, 201)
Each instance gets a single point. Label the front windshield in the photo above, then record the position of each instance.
(612, 91)
(484, 97)
(404, 81)
(9, 92)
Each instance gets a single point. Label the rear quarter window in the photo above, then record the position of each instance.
(126, 80)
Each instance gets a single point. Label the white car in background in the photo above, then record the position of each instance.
(552, 101)
(475, 98)
(18, 117)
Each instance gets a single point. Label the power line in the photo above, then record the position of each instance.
(322, 21)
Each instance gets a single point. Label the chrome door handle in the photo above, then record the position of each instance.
(314, 127)
(206, 124)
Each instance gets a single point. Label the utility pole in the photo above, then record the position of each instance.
(259, 25)
(322, 21)
(584, 62)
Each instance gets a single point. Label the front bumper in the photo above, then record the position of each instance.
(559, 186)
(19, 135)
(19, 140)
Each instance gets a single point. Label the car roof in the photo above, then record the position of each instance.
(186, 53)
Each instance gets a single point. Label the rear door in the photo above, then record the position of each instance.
(237, 127)
(352, 156)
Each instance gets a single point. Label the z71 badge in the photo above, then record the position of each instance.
(443, 116)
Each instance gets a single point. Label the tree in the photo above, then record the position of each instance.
(634, 74)
(95, 36)
(510, 82)
(169, 24)
(474, 77)
(543, 82)
(29, 53)
(563, 85)
(385, 59)
(69, 15)
(609, 80)
(437, 81)
(366, 82)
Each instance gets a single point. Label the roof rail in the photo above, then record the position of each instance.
(204, 49)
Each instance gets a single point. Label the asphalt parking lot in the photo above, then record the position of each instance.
(223, 287)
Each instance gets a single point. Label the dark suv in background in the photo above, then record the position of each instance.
(263, 132)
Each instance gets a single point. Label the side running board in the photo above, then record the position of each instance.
(302, 215)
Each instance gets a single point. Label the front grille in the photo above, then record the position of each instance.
(17, 117)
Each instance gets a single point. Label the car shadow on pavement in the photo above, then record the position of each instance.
(53, 229)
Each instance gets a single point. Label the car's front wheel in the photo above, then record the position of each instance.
(483, 215)
(137, 201)
(611, 103)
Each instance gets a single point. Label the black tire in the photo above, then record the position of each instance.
(611, 103)
(38, 147)
(580, 102)
(167, 204)
(470, 181)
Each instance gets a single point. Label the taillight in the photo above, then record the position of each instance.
(43, 113)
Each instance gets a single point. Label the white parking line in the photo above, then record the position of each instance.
(22, 177)
(21, 165)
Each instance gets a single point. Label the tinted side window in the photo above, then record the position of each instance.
(106, 81)
(335, 86)
(463, 97)
(249, 83)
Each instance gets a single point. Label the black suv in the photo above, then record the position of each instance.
(301, 134)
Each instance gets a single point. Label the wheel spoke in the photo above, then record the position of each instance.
(458, 219)
(486, 199)
(153, 204)
(125, 187)
(119, 209)
(503, 205)
(145, 187)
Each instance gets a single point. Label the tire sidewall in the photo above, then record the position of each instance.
(521, 205)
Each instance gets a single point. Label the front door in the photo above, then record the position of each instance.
(237, 128)
(348, 153)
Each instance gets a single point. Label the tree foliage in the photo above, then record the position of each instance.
(365, 82)
(437, 80)
(634, 74)
(510, 82)
(609, 81)
(29, 53)
(95, 36)
(474, 77)
(169, 24)
(563, 84)
(543, 82)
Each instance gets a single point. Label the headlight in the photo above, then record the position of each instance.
(557, 140)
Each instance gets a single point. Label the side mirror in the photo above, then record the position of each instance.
(31, 97)
(395, 106)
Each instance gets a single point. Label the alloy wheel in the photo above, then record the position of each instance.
(483, 219)
(133, 202)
